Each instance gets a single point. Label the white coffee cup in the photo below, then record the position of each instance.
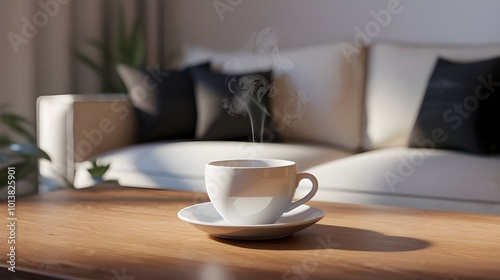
(255, 191)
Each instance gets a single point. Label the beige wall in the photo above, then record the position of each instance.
(307, 22)
(44, 65)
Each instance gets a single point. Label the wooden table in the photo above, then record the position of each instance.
(111, 232)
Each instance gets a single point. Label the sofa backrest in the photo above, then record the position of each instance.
(323, 96)
(318, 93)
(397, 78)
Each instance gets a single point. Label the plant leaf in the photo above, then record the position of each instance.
(89, 63)
(129, 49)
(105, 51)
(43, 154)
(15, 124)
(29, 150)
(14, 118)
(98, 170)
(5, 140)
(137, 46)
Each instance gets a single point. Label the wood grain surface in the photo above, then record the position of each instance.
(112, 232)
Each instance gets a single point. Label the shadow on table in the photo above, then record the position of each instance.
(334, 237)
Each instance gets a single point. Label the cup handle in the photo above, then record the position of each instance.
(311, 193)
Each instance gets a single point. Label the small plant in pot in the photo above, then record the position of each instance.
(97, 171)
(19, 154)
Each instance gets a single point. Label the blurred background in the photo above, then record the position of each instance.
(40, 37)
(52, 47)
(41, 40)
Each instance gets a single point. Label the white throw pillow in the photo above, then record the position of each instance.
(397, 78)
(318, 93)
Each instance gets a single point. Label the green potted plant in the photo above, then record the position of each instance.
(129, 49)
(19, 153)
(97, 171)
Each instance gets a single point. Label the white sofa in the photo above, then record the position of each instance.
(351, 131)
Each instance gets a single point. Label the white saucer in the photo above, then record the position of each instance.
(204, 217)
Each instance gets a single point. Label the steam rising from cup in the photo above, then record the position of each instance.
(248, 92)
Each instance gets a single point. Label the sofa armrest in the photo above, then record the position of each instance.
(74, 128)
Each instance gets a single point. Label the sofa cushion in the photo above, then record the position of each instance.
(396, 81)
(163, 100)
(408, 172)
(454, 113)
(318, 92)
(231, 107)
(181, 165)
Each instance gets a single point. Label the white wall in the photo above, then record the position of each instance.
(307, 22)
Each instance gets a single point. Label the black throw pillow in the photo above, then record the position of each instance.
(460, 110)
(228, 106)
(163, 100)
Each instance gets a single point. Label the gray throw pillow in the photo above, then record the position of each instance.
(461, 108)
(163, 100)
